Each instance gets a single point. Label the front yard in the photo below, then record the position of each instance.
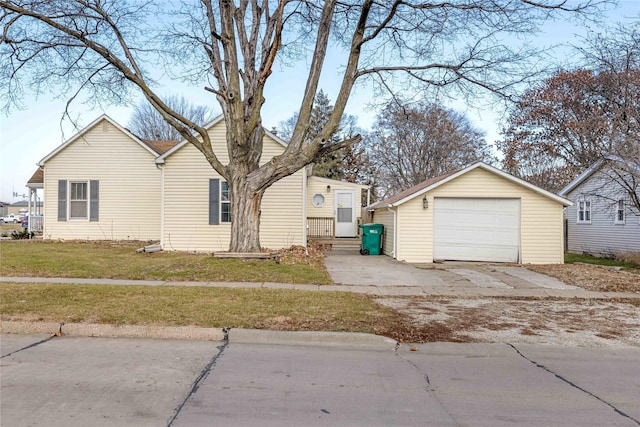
(119, 260)
(571, 321)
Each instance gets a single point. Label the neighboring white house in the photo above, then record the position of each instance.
(602, 220)
(478, 213)
(106, 184)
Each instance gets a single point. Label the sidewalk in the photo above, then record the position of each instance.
(390, 290)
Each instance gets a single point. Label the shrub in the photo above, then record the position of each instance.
(22, 234)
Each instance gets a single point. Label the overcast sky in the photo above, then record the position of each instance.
(28, 135)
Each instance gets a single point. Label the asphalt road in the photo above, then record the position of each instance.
(79, 381)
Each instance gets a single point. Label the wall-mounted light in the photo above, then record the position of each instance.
(328, 188)
(425, 202)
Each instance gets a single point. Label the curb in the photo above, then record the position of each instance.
(241, 336)
(113, 331)
(355, 340)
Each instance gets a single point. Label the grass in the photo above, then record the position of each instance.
(588, 259)
(197, 306)
(278, 309)
(120, 261)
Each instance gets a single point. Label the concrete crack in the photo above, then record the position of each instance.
(430, 389)
(201, 377)
(561, 378)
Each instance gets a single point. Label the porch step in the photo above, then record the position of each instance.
(341, 244)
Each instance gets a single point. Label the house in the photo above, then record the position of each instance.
(107, 184)
(602, 220)
(478, 213)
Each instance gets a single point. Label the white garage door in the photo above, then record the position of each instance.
(476, 229)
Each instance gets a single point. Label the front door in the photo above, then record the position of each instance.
(345, 213)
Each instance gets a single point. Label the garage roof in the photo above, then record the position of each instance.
(437, 181)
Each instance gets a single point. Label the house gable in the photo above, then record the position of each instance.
(107, 125)
(433, 183)
(187, 180)
(112, 164)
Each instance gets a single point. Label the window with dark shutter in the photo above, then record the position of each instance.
(94, 206)
(62, 200)
(214, 201)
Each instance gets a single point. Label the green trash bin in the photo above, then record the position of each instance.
(371, 239)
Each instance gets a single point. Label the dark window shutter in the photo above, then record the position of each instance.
(94, 206)
(62, 200)
(214, 201)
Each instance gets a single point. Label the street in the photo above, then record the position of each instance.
(79, 381)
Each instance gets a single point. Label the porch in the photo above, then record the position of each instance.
(322, 230)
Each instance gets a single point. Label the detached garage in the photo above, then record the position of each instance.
(479, 213)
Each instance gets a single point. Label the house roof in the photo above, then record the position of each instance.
(37, 177)
(590, 171)
(25, 203)
(81, 134)
(430, 184)
(161, 146)
(212, 123)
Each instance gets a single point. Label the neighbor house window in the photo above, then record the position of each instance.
(584, 211)
(78, 200)
(620, 212)
(225, 202)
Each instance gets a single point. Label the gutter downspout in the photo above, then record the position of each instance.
(395, 229)
(161, 167)
(304, 213)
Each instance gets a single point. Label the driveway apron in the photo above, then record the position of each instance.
(351, 268)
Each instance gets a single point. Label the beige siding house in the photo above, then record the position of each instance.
(334, 208)
(188, 180)
(102, 184)
(476, 214)
(106, 184)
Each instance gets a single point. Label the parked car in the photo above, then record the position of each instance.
(11, 218)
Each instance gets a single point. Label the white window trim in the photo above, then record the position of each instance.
(225, 202)
(318, 205)
(87, 200)
(617, 211)
(579, 202)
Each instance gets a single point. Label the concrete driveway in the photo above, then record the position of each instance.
(351, 268)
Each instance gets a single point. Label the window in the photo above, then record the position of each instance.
(225, 203)
(620, 212)
(584, 211)
(219, 202)
(317, 200)
(78, 200)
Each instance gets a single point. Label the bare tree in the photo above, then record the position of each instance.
(147, 123)
(410, 144)
(578, 118)
(110, 47)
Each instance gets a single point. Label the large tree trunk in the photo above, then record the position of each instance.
(245, 215)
